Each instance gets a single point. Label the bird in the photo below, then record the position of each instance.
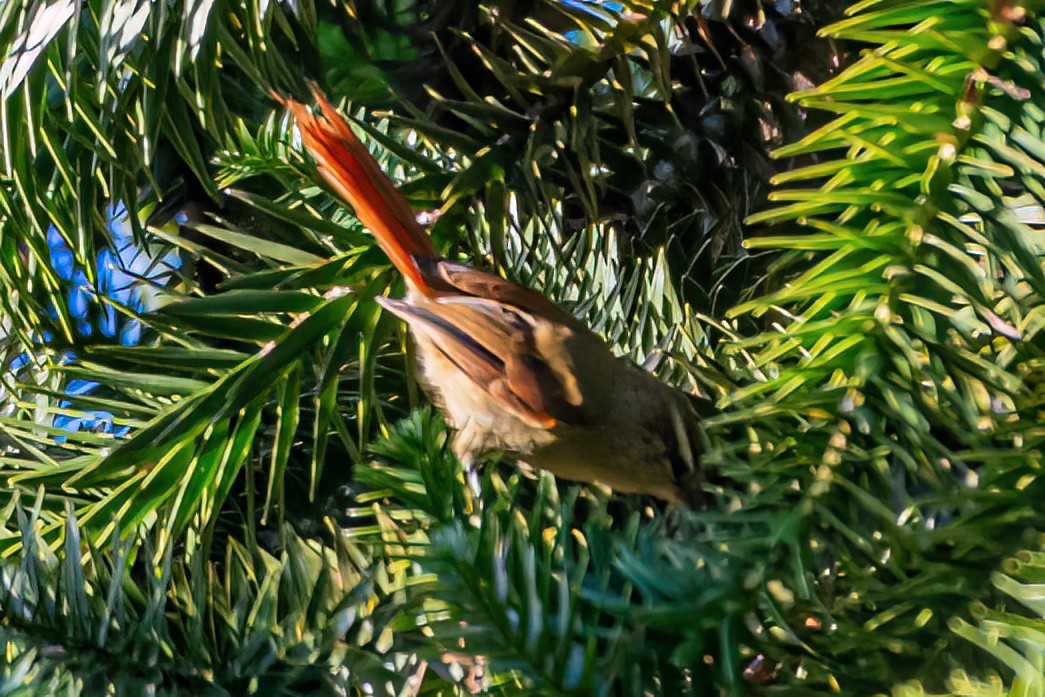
(511, 371)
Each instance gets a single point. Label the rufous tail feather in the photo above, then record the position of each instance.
(353, 173)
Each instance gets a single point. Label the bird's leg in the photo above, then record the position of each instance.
(471, 475)
(463, 450)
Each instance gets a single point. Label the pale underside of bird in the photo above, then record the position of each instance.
(509, 369)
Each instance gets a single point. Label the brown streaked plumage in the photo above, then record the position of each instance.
(510, 370)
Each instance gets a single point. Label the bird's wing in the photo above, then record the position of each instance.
(493, 345)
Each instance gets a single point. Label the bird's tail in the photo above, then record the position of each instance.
(349, 168)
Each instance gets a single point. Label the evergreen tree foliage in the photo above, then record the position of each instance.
(257, 500)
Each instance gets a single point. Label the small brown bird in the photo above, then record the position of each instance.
(509, 369)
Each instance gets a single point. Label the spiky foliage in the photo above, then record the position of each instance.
(297, 620)
(875, 444)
